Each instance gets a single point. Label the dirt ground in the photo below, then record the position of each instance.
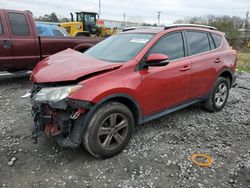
(157, 156)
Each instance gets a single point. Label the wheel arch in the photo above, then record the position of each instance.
(125, 99)
(131, 104)
(128, 101)
(226, 73)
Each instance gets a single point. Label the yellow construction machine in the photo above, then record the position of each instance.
(87, 24)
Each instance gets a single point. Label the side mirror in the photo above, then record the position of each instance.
(156, 60)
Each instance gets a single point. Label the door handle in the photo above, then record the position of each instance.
(6, 44)
(185, 68)
(217, 60)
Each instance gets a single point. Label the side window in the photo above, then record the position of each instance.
(1, 27)
(217, 40)
(19, 25)
(211, 42)
(171, 45)
(57, 33)
(198, 42)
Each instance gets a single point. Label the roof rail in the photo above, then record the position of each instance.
(190, 25)
(170, 26)
(141, 27)
(128, 29)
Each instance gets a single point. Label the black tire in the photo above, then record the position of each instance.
(213, 104)
(97, 141)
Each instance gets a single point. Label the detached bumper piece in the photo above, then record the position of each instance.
(62, 121)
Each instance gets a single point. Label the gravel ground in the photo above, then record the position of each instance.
(157, 156)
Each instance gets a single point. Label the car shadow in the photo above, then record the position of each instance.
(18, 82)
(6, 77)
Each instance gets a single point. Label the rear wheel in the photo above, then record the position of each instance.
(109, 130)
(219, 95)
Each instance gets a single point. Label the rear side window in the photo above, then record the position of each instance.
(57, 33)
(1, 27)
(198, 42)
(19, 25)
(171, 45)
(217, 40)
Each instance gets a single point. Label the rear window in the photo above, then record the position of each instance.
(198, 42)
(1, 27)
(19, 25)
(217, 40)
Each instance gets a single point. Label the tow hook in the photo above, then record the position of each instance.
(77, 113)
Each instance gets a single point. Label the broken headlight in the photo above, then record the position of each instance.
(55, 94)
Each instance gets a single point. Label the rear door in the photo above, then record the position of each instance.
(24, 50)
(203, 59)
(6, 59)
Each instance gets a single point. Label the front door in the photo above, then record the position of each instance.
(6, 59)
(167, 86)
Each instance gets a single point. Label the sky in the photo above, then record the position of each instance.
(142, 10)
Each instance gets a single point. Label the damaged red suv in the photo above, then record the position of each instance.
(96, 98)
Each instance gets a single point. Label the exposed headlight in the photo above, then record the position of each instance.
(55, 94)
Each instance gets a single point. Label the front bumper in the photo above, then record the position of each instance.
(61, 120)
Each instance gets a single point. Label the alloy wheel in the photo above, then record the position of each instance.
(113, 131)
(221, 94)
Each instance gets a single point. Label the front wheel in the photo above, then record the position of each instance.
(219, 95)
(109, 130)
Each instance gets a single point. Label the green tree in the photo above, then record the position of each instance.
(48, 18)
(64, 20)
(231, 33)
(53, 17)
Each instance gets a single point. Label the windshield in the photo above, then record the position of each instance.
(119, 48)
(90, 18)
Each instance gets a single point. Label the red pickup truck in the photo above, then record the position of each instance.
(21, 47)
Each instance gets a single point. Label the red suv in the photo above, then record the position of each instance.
(97, 97)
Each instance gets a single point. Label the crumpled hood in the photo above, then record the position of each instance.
(68, 65)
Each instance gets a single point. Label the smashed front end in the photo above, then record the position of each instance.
(58, 116)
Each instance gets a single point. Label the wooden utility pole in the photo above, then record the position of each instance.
(159, 17)
(245, 26)
(99, 8)
(124, 17)
(246, 21)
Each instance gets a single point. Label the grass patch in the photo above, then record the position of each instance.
(244, 61)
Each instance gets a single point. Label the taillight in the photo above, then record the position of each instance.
(234, 53)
